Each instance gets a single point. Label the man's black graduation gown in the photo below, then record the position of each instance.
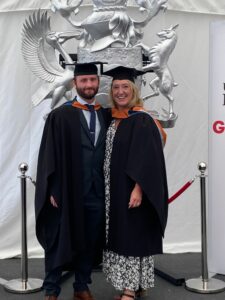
(60, 230)
(137, 156)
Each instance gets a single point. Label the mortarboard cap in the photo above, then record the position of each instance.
(85, 69)
(121, 72)
(88, 68)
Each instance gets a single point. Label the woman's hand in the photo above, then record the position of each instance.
(135, 197)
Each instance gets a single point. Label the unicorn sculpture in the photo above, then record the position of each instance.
(158, 56)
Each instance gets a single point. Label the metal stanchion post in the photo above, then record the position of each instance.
(204, 284)
(24, 284)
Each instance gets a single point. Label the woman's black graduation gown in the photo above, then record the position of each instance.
(137, 156)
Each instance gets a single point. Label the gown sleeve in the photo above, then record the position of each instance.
(146, 166)
(46, 182)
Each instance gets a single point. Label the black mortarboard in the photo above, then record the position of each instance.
(88, 68)
(121, 72)
(85, 69)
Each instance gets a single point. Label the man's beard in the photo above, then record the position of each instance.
(85, 95)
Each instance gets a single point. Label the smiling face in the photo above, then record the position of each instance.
(122, 93)
(87, 86)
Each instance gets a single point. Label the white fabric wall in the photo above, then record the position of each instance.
(21, 124)
(216, 186)
(200, 6)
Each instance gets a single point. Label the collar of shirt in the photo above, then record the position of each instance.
(82, 101)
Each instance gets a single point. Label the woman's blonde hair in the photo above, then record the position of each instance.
(136, 99)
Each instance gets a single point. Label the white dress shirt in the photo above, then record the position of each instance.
(87, 116)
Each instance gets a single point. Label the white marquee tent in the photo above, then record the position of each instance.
(21, 124)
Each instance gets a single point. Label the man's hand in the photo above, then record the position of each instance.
(53, 202)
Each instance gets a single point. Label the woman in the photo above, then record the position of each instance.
(136, 189)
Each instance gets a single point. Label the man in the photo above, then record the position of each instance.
(69, 198)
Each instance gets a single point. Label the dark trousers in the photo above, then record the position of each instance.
(94, 226)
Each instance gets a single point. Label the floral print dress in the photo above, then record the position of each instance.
(124, 272)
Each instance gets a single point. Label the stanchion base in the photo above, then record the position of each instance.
(18, 286)
(211, 286)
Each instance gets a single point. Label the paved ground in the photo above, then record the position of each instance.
(178, 267)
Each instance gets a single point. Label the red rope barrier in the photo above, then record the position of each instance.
(181, 190)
